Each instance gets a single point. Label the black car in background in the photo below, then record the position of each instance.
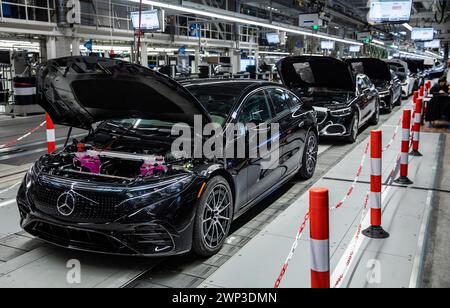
(380, 74)
(344, 103)
(122, 190)
(396, 87)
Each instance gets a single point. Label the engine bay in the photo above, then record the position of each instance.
(85, 161)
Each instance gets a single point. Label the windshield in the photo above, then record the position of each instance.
(217, 99)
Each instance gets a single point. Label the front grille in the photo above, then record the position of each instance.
(89, 207)
(146, 240)
(80, 239)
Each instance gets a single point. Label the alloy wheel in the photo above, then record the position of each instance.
(311, 154)
(216, 216)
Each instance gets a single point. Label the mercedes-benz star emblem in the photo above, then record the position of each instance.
(66, 204)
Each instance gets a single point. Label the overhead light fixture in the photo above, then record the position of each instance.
(242, 20)
(274, 53)
(375, 41)
(407, 26)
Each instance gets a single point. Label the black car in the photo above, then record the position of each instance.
(380, 74)
(396, 84)
(124, 190)
(344, 103)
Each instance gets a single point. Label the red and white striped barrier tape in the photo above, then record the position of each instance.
(391, 142)
(355, 181)
(292, 251)
(9, 188)
(13, 142)
(356, 238)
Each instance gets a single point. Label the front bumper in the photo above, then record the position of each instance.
(162, 231)
(385, 100)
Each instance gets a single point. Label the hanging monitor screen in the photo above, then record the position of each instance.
(246, 63)
(388, 11)
(355, 48)
(273, 38)
(150, 20)
(328, 45)
(433, 44)
(422, 34)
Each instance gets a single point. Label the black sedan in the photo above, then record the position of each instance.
(380, 75)
(124, 189)
(343, 102)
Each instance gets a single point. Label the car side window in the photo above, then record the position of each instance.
(280, 100)
(256, 109)
(295, 101)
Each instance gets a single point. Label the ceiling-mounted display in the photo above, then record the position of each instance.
(150, 20)
(433, 44)
(422, 34)
(388, 11)
(273, 38)
(328, 45)
(355, 48)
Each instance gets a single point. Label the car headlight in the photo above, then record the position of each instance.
(154, 194)
(341, 112)
(145, 201)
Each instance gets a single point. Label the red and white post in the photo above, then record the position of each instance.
(320, 238)
(422, 92)
(51, 137)
(375, 230)
(404, 160)
(416, 128)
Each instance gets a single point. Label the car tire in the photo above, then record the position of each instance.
(213, 218)
(398, 103)
(309, 158)
(375, 119)
(354, 129)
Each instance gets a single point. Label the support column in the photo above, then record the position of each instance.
(51, 47)
(235, 60)
(195, 69)
(76, 46)
(63, 46)
(144, 54)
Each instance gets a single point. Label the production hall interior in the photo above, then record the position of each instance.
(224, 151)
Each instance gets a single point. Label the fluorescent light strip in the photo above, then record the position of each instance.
(378, 42)
(407, 26)
(242, 20)
(274, 53)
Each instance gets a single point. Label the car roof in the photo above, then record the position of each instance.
(240, 84)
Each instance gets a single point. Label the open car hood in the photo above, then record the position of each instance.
(375, 69)
(315, 71)
(79, 91)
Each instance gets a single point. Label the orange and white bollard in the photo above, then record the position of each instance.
(404, 160)
(320, 238)
(51, 137)
(416, 128)
(375, 230)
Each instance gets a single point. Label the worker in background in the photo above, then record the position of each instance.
(441, 87)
